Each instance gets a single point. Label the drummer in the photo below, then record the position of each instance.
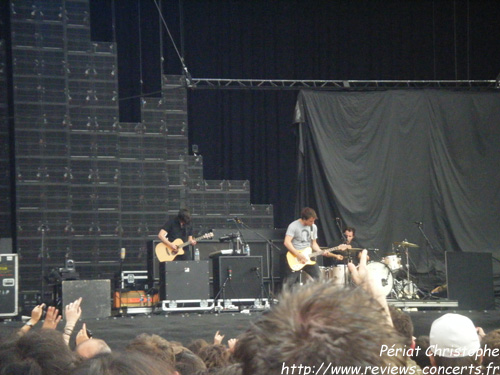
(350, 243)
(347, 244)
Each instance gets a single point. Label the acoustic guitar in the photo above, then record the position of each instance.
(166, 253)
(296, 265)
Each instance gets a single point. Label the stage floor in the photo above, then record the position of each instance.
(183, 327)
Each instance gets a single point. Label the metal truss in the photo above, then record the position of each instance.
(289, 84)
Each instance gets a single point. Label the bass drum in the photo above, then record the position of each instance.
(381, 274)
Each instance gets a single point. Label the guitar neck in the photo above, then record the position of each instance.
(318, 253)
(187, 242)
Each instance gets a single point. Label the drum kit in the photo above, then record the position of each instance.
(390, 272)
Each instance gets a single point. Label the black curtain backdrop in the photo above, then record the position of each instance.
(382, 161)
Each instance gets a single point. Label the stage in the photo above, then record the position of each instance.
(185, 326)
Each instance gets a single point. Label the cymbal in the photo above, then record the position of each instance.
(405, 244)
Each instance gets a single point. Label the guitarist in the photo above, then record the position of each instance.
(303, 233)
(178, 227)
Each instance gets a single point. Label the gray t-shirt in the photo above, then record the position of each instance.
(302, 235)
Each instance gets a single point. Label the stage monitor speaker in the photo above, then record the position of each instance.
(470, 280)
(96, 297)
(243, 275)
(183, 280)
(8, 285)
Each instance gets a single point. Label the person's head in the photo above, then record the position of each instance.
(233, 369)
(318, 323)
(454, 342)
(41, 352)
(308, 216)
(403, 324)
(420, 356)
(186, 362)
(491, 341)
(184, 216)
(130, 363)
(153, 345)
(349, 233)
(92, 347)
(196, 345)
(214, 356)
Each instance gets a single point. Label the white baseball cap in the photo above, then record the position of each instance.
(453, 336)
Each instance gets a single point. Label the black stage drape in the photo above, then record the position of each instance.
(383, 160)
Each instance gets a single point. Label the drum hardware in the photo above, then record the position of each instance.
(405, 244)
(405, 290)
(411, 289)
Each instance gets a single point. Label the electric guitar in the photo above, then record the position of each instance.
(165, 253)
(296, 265)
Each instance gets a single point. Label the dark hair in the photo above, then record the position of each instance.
(214, 356)
(318, 323)
(420, 356)
(196, 345)
(308, 213)
(130, 363)
(38, 352)
(491, 341)
(350, 229)
(153, 345)
(402, 323)
(184, 216)
(186, 362)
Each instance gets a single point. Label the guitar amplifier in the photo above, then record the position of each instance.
(8, 285)
(182, 280)
(237, 277)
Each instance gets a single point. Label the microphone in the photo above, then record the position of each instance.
(122, 253)
(229, 273)
(418, 222)
(255, 269)
(337, 218)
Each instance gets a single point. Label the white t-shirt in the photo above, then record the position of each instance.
(302, 235)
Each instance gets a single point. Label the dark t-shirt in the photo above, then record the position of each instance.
(175, 231)
(353, 256)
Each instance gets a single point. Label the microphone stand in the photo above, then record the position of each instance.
(349, 253)
(339, 225)
(120, 280)
(240, 241)
(420, 226)
(43, 228)
(261, 279)
(223, 291)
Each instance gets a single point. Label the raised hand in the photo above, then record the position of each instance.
(218, 338)
(52, 318)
